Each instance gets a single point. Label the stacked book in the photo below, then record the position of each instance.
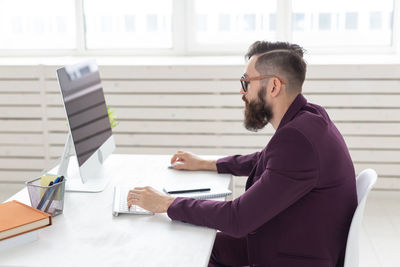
(19, 222)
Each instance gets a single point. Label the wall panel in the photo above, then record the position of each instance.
(165, 108)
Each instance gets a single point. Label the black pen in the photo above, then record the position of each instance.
(45, 196)
(189, 191)
(54, 193)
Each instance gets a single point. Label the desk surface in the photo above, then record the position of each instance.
(87, 234)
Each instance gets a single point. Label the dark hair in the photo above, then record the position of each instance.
(282, 59)
(261, 47)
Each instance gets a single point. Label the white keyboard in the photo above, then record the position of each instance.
(120, 204)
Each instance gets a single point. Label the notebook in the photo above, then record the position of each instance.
(214, 192)
(17, 218)
(120, 204)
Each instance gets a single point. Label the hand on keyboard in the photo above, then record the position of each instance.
(150, 199)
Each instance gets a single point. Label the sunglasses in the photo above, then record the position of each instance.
(246, 80)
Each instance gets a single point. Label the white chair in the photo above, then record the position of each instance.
(365, 181)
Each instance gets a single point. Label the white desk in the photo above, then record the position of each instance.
(87, 234)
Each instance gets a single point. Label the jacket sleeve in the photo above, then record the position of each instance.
(290, 173)
(239, 165)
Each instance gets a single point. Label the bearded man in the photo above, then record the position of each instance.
(300, 193)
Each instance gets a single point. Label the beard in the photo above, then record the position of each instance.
(257, 113)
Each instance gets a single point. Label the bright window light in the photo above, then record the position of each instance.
(39, 24)
(226, 22)
(195, 27)
(342, 23)
(127, 24)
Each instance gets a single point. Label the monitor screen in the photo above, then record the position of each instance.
(86, 108)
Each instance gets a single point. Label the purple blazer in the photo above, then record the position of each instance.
(300, 194)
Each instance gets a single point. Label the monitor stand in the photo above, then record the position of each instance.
(70, 170)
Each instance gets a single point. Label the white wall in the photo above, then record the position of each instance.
(197, 107)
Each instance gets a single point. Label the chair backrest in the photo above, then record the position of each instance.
(365, 181)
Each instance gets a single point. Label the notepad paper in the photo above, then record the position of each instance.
(44, 182)
(213, 193)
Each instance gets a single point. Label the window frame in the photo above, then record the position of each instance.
(183, 39)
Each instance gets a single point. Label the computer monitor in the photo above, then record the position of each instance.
(90, 140)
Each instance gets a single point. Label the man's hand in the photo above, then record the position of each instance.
(192, 162)
(149, 199)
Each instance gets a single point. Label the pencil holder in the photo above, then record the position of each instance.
(49, 199)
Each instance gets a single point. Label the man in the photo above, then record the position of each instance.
(300, 194)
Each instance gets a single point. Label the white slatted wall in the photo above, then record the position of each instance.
(197, 108)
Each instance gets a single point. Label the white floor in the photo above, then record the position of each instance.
(380, 236)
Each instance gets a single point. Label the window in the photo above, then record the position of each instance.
(127, 24)
(342, 23)
(195, 27)
(26, 24)
(298, 22)
(224, 23)
(375, 20)
(324, 21)
(235, 23)
(351, 22)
